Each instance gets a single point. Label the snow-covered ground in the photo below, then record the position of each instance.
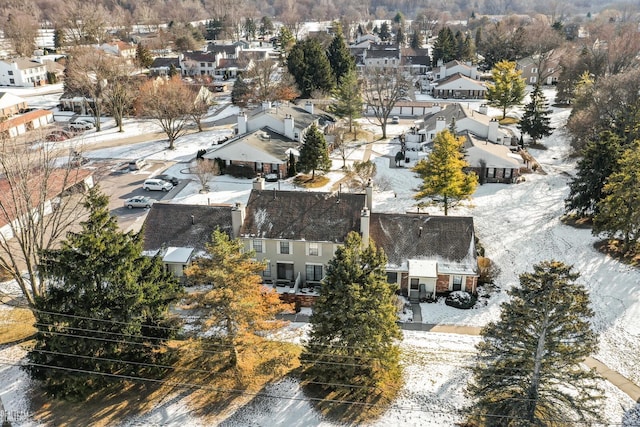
(517, 224)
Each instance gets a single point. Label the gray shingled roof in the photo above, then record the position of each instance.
(301, 215)
(171, 225)
(165, 62)
(446, 239)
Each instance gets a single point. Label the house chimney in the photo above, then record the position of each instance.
(266, 105)
(473, 74)
(193, 220)
(289, 127)
(258, 183)
(492, 133)
(484, 109)
(365, 223)
(242, 123)
(420, 231)
(309, 107)
(237, 218)
(441, 124)
(369, 192)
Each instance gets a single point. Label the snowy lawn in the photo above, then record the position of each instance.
(517, 224)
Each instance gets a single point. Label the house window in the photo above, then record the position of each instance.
(533, 79)
(456, 283)
(257, 246)
(508, 173)
(392, 277)
(534, 70)
(491, 172)
(10, 72)
(267, 269)
(314, 249)
(285, 248)
(202, 64)
(12, 81)
(314, 273)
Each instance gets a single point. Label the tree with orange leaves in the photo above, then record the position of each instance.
(238, 304)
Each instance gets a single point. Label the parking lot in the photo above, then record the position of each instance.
(116, 180)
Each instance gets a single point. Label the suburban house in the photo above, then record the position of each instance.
(382, 56)
(442, 71)
(540, 69)
(22, 72)
(198, 63)
(415, 61)
(458, 86)
(16, 118)
(179, 232)
(296, 233)
(476, 122)
(119, 48)
(493, 163)
(268, 136)
(161, 66)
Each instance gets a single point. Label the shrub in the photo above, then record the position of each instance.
(460, 299)
(239, 171)
(488, 270)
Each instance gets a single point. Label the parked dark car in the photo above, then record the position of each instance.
(168, 178)
(271, 177)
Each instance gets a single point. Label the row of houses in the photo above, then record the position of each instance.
(296, 233)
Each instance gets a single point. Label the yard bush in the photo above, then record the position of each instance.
(461, 299)
(239, 171)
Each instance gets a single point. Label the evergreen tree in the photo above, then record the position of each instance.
(599, 160)
(340, 58)
(286, 39)
(266, 26)
(400, 37)
(618, 212)
(241, 92)
(250, 28)
(535, 121)
(310, 67)
(291, 166)
(239, 305)
(528, 370)
(399, 18)
(106, 309)
(143, 56)
(348, 98)
(443, 175)
(173, 71)
(314, 154)
(58, 38)
(360, 31)
(354, 334)
(416, 40)
(385, 32)
(507, 88)
(444, 48)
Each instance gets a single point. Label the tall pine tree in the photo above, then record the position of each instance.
(314, 154)
(442, 173)
(348, 98)
(106, 311)
(238, 304)
(444, 48)
(308, 64)
(529, 369)
(354, 335)
(535, 121)
(340, 58)
(618, 215)
(507, 88)
(599, 160)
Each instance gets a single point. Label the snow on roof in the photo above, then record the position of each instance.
(423, 268)
(177, 255)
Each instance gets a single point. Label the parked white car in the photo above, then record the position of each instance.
(157, 185)
(77, 124)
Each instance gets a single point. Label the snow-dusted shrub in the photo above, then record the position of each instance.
(460, 299)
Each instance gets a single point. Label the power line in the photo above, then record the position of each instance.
(279, 397)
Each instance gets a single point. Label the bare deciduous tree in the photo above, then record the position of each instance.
(204, 170)
(170, 103)
(85, 22)
(21, 29)
(360, 174)
(38, 205)
(383, 87)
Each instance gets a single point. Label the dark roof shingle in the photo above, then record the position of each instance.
(302, 215)
(171, 225)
